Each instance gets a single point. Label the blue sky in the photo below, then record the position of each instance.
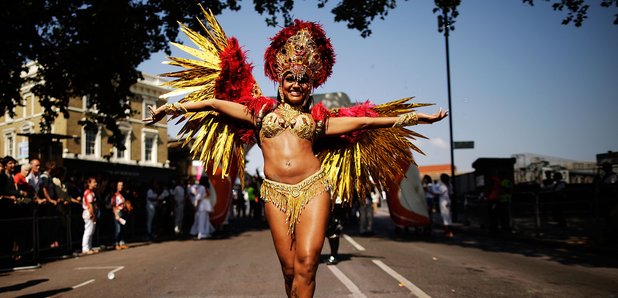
(521, 82)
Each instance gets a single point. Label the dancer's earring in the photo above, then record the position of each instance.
(281, 94)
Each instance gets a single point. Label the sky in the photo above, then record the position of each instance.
(520, 81)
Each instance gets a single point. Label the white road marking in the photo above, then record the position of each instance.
(402, 280)
(115, 268)
(354, 243)
(356, 292)
(83, 284)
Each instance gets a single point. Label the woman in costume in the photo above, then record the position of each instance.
(225, 108)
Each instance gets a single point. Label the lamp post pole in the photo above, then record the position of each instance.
(448, 82)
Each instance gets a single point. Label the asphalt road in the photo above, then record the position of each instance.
(384, 265)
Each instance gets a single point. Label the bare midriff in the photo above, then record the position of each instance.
(288, 158)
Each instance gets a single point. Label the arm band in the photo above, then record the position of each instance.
(406, 120)
(175, 109)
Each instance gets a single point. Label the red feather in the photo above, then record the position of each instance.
(235, 79)
(324, 48)
(359, 110)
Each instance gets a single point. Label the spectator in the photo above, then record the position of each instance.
(366, 214)
(45, 182)
(21, 183)
(119, 207)
(333, 232)
(8, 190)
(548, 182)
(609, 176)
(33, 177)
(427, 184)
(493, 197)
(152, 200)
(203, 193)
(444, 192)
(89, 215)
(179, 206)
(504, 204)
(239, 201)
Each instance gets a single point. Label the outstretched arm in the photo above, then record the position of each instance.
(343, 125)
(229, 108)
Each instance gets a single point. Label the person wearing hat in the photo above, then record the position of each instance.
(228, 109)
(8, 190)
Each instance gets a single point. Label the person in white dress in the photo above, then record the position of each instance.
(444, 193)
(203, 195)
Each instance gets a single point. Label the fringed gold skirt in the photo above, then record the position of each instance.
(291, 199)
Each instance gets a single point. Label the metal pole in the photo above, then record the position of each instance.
(448, 82)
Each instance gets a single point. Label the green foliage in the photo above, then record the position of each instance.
(577, 9)
(86, 48)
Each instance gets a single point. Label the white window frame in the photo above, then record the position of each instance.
(27, 127)
(126, 131)
(145, 103)
(9, 147)
(85, 100)
(25, 99)
(147, 132)
(97, 144)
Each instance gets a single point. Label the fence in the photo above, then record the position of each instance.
(581, 213)
(30, 233)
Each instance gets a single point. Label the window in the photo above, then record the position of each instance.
(9, 143)
(150, 138)
(145, 104)
(28, 127)
(91, 142)
(148, 146)
(126, 153)
(88, 104)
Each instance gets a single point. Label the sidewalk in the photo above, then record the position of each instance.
(572, 237)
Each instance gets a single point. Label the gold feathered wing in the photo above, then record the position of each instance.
(218, 70)
(356, 162)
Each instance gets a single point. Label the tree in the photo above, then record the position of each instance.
(92, 48)
(577, 9)
(86, 48)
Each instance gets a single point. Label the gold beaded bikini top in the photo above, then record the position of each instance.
(286, 117)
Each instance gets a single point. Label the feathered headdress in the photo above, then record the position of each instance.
(302, 49)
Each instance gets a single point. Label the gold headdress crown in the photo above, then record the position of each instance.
(301, 49)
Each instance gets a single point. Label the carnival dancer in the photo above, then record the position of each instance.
(306, 148)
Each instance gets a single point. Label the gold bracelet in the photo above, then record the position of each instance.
(406, 120)
(175, 109)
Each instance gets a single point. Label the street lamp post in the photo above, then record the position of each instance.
(448, 83)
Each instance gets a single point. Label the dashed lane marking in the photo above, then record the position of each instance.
(356, 292)
(354, 243)
(83, 284)
(402, 280)
(115, 268)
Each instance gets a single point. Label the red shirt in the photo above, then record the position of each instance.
(118, 201)
(89, 198)
(19, 179)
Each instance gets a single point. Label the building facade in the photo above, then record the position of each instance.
(70, 143)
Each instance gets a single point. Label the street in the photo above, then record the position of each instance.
(384, 265)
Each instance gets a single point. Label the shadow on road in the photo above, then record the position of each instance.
(560, 252)
(23, 285)
(45, 293)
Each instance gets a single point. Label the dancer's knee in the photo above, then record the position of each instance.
(306, 266)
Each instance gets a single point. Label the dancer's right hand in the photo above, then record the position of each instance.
(155, 115)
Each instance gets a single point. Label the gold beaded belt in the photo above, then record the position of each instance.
(291, 199)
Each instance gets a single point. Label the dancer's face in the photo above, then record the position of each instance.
(295, 90)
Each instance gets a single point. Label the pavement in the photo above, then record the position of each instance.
(572, 237)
